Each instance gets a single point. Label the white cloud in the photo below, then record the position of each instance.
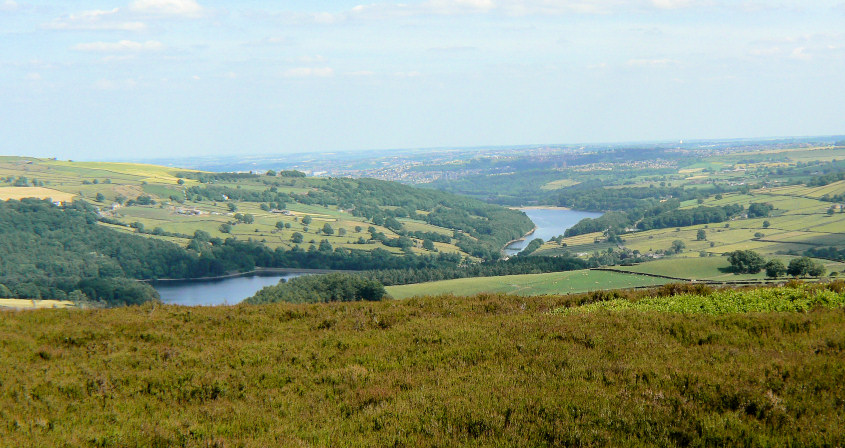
(183, 8)
(805, 47)
(9, 5)
(305, 72)
(672, 4)
(362, 73)
(95, 20)
(769, 51)
(120, 46)
(109, 84)
(650, 62)
(312, 59)
(801, 54)
(34, 76)
(267, 41)
(458, 6)
(387, 10)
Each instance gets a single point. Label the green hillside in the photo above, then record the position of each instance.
(355, 214)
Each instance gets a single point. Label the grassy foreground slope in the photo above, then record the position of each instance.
(437, 371)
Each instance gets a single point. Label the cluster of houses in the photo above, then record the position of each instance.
(188, 211)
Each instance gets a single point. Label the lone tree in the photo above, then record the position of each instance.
(759, 210)
(297, 237)
(775, 269)
(746, 262)
(327, 229)
(428, 245)
(306, 220)
(678, 246)
(701, 235)
(805, 266)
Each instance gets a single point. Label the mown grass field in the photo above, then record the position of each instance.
(490, 370)
(527, 285)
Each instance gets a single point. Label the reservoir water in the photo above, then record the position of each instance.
(550, 223)
(228, 291)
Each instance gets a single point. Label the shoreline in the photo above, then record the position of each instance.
(540, 207)
(257, 272)
(520, 239)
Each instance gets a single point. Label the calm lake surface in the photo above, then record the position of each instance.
(550, 223)
(227, 291)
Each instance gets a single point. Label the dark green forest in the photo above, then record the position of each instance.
(335, 287)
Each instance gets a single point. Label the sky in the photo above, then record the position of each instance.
(90, 79)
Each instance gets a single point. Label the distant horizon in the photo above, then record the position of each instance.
(483, 147)
(832, 137)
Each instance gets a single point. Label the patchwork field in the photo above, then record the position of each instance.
(797, 223)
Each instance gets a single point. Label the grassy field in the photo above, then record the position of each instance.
(26, 304)
(527, 285)
(711, 268)
(558, 184)
(7, 193)
(490, 370)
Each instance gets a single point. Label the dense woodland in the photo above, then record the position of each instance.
(334, 287)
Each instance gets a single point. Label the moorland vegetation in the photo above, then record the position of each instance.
(431, 371)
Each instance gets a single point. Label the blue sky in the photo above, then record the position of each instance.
(157, 78)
